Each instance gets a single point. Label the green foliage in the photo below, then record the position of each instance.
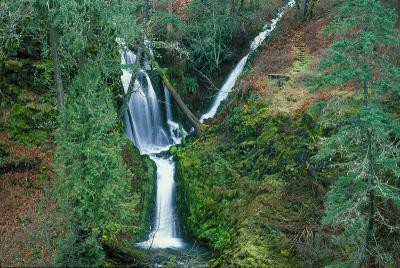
(209, 34)
(32, 119)
(347, 202)
(245, 182)
(161, 19)
(143, 185)
(96, 27)
(191, 84)
(12, 16)
(366, 140)
(360, 51)
(93, 191)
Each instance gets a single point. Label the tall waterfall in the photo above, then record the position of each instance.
(148, 134)
(237, 71)
(150, 137)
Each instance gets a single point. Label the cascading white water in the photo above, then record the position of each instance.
(149, 136)
(233, 76)
(165, 234)
(173, 126)
(226, 89)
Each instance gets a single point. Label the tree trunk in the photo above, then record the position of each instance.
(371, 183)
(57, 68)
(169, 25)
(371, 191)
(305, 9)
(241, 5)
(128, 111)
(127, 97)
(196, 123)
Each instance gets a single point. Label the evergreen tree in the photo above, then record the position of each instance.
(93, 190)
(366, 143)
(94, 186)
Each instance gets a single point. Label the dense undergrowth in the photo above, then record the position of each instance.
(29, 118)
(251, 186)
(24, 83)
(258, 196)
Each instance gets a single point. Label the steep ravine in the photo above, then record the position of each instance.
(144, 127)
(247, 187)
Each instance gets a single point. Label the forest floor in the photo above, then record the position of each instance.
(25, 179)
(293, 53)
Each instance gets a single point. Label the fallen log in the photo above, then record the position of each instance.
(163, 74)
(19, 165)
(126, 257)
(280, 78)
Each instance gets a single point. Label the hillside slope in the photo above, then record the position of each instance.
(249, 187)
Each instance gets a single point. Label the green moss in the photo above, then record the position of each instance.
(246, 184)
(27, 73)
(3, 151)
(32, 119)
(143, 186)
(171, 262)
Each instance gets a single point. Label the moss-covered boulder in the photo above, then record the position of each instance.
(27, 73)
(32, 118)
(143, 185)
(119, 248)
(247, 188)
(27, 95)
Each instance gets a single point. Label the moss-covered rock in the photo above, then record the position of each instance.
(248, 189)
(26, 91)
(143, 185)
(119, 248)
(32, 117)
(27, 73)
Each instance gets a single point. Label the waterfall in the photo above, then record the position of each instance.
(173, 126)
(237, 71)
(150, 137)
(226, 89)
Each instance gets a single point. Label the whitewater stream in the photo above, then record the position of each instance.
(151, 135)
(237, 71)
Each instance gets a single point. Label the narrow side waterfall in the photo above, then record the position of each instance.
(237, 71)
(145, 129)
(173, 126)
(226, 89)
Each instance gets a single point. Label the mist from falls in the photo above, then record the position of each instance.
(146, 130)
